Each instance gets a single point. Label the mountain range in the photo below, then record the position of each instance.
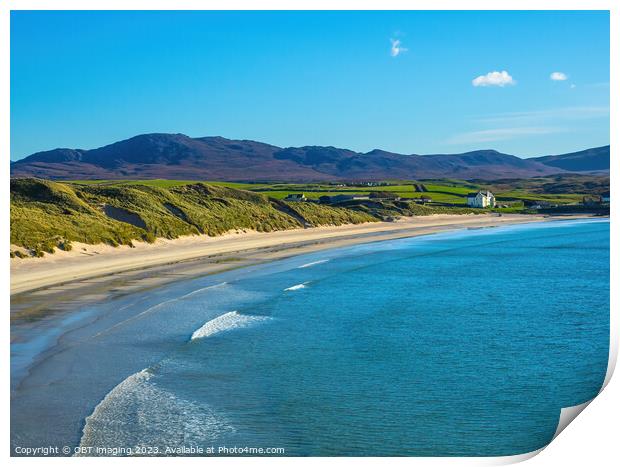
(177, 156)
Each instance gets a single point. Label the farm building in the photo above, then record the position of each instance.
(538, 204)
(423, 200)
(387, 195)
(592, 200)
(296, 197)
(481, 199)
(342, 198)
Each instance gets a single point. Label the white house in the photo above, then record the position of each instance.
(296, 197)
(481, 199)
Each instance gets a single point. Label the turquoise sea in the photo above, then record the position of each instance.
(465, 343)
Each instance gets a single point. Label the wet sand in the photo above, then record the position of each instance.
(90, 261)
(82, 338)
(91, 273)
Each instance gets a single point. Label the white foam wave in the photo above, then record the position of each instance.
(226, 322)
(136, 317)
(314, 263)
(155, 307)
(138, 412)
(296, 287)
(216, 286)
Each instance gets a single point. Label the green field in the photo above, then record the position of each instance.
(48, 215)
(452, 192)
(160, 183)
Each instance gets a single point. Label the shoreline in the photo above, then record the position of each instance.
(229, 251)
(49, 349)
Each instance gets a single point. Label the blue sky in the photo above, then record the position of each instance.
(409, 82)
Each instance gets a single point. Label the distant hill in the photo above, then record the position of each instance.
(590, 160)
(177, 156)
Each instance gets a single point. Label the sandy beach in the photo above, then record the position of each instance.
(228, 251)
(98, 342)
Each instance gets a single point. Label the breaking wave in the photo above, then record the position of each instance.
(296, 287)
(157, 306)
(226, 322)
(216, 286)
(138, 412)
(314, 263)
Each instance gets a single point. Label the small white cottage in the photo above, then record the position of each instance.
(296, 197)
(481, 199)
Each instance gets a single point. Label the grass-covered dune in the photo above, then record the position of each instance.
(46, 215)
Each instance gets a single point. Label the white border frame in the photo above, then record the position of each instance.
(590, 440)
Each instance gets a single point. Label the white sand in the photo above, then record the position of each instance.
(87, 261)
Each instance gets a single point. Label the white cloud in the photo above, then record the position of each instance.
(494, 78)
(397, 48)
(500, 134)
(558, 76)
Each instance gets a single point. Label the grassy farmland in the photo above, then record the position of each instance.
(47, 215)
(561, 190)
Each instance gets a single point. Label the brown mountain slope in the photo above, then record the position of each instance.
(177, 156)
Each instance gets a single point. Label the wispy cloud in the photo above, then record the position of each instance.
(494, 78)
(397, 48)
(538, 117)
(597, 85)
(558, 76)
(500, 134)
(512, 125)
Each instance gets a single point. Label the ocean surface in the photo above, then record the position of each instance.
(465, 343)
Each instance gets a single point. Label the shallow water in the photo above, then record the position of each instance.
(464, 343)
